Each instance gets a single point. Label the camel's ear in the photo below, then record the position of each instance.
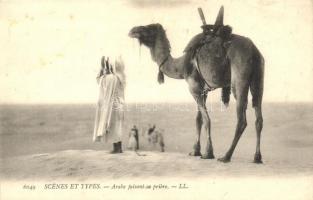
(220, 17)
(103, 62)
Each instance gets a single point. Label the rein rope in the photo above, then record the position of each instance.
(205, 91)
(160, 74)
(164, 61)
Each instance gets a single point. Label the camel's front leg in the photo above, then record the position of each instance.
(205, 119)
(207, 126)
(197, 146)
(196, 90)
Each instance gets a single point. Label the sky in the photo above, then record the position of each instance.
(51, 50)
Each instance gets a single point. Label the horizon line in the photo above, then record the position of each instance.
(170, 102)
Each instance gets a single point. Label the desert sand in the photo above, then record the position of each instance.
(84, 165)
(166, 171)
(52, 144)
(55, 142)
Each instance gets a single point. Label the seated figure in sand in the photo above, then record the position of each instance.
(132, 141)
(155, 137)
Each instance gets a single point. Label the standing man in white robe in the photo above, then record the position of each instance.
(110, 109)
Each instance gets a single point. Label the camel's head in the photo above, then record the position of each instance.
(148, 34)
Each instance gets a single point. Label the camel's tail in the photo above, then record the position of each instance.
(226, 95)
(257, 80)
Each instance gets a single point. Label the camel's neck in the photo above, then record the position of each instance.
(172, 67)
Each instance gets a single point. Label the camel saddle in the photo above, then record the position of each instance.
(211, 33)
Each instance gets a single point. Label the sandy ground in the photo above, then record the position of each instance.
(52, 144)
(202, 179)
(84, 165)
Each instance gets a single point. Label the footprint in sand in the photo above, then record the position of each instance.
(58, 169)
(70, 174)
(59, 162)
(73, 169)
(48, 159)
(39, 155)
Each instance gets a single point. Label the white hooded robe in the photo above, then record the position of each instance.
(109, 112)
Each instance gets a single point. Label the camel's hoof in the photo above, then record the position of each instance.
(208, 156)
(258, 159)
(224, 159)
(115, 152)
(195, 153)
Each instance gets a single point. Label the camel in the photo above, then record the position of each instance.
(236, 65)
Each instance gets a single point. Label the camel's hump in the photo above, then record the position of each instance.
(194, 43)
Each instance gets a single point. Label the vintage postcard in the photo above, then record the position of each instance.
(156, 99)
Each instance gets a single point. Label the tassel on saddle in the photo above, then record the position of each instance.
(226, 95)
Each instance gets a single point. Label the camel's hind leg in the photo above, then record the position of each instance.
(242, 97)
(258, 128)
(256, 89)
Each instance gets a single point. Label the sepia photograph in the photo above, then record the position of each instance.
(150, 99)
